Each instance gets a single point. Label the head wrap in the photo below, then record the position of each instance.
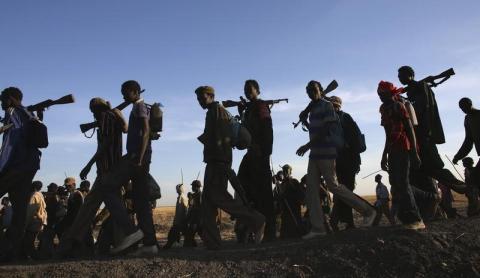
(385, 87)
(99, 103)
(69, 181)
(205, 90)
(336, 101)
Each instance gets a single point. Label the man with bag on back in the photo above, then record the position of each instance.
(325, 138)
(19, 162)
(134, 166)
(347, 163)
(254, 172)
(217, 154)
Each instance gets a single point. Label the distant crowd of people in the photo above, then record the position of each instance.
(265, 205)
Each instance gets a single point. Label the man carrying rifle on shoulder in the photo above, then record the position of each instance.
(323, 144)
(429, 133)
(134, 166)
(111, 125)
(217, 154)
(19, 162)
(254, 172)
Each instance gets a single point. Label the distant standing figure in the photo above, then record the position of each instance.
(194, 218)
(36, 219)
(180, 219)
(472, 187)
(382, 203)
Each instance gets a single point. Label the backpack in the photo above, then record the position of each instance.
(239, 134)
(337, 135)
(156, 117)
(356, 139)
(155, 120)
(37, 132)
(154, 190)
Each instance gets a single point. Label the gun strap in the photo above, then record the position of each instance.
(93, 133)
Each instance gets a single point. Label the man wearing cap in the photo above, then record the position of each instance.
(179, 220)
(400, 145)
(111, 125)
(217, 154)
(194, 218)
(347, 164)
(323, 144)
(19, 162)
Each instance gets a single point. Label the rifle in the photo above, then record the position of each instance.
(86, 127)
(243, 102)
(304, 114)
(431, 80)
(41, 106)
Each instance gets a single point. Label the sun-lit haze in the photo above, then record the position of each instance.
(88, 48)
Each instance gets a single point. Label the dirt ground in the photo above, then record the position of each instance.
(447, 248)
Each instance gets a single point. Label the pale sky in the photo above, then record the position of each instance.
(50, 48)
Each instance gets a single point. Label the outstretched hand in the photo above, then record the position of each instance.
(84, 173)
(302, 150)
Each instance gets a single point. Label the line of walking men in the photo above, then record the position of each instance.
(410, 157)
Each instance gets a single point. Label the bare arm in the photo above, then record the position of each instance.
(121, 120)
(384, 161)
(145, 140)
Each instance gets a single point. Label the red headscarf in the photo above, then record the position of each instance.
(387, 87)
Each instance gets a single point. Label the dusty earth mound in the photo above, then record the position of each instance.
(449, 248)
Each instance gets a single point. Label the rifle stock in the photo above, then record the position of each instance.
(88, 126)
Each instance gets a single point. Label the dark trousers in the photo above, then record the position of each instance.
(341, 212)
(256, 178)
(18, 186)
(399, 164)
(383, 208)
(424, 190)
(29, 243)
(193, 227)
(83, 221)
(175, 233)
(433, 166)
(111, 183)
(215, 196)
